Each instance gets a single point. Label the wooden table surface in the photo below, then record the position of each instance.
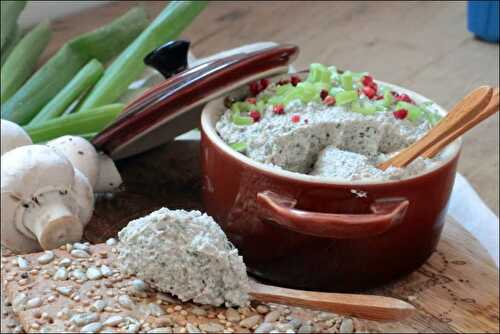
(419, 45)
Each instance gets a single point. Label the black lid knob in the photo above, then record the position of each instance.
(170, 58)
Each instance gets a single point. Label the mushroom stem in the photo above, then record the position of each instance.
(53, 223)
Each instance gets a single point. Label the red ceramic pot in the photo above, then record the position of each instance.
(306, 232)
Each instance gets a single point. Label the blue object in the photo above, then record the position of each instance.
(482, 19)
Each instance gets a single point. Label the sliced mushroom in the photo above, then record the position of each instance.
(45, 201)
(13, 136)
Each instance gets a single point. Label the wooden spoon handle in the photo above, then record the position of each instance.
(362, 306)
(490, 109)
(461, 113)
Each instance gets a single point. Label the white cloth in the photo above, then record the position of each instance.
(467, 208)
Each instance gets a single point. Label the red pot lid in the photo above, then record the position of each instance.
(174, 106)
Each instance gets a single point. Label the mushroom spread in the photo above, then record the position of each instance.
(186, 254)
(332, 124)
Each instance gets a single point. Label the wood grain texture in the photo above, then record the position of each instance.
(419, 45)
(455, 291)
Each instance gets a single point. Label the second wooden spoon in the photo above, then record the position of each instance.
(363, 306)
(462, 112)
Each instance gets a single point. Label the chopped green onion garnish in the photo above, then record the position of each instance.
(388, 98)
(241, 120)
(346, 80)
(345, 97)
(365, 109)
(358, 75)
(414, 112)
(239, 147)
(319, 73)
(335, 90)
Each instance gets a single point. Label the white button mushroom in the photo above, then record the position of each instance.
(80, 153)
(13, 136)
(98, 168)
(108, 178)
(45, 201)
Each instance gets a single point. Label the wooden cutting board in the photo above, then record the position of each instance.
(455, 291)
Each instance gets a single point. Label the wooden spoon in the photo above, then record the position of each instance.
(462, 113)
(490, 109)
(363, 306)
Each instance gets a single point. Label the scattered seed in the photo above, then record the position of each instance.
(166, 330)
(126, 302)
(64, 314)
(60, 275)
(106, 271)
(211, 327)
(232, 315)
(264, 327)
(65, 262)
(155, 310)
(34, 302)
(98, 306)
(305, 329)
(93, 327)
(80, 246)
(139, 285)
(82, 319)
(262, 309)
(111, 242)
(198, 311)
(22, 263)
(251, 321)
(64, 290)
(113, 321)
(272, 316)
(346, 326)
(326, 316)
(295, 323)
(283, 328)
(79, 254)
(46, 257)
(18, 303)
(94, 273)
(190, 328)
(78, 275)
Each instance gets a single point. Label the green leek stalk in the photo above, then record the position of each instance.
(82, 82)
(11, 44)
(89, 136)
(88, 121)
(102, 44)
(9, 11)
(129, 65)
(22, 61)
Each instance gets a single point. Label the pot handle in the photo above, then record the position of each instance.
(386, 213)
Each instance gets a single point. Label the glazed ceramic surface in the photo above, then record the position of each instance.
(300, 231)
(174, 106)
